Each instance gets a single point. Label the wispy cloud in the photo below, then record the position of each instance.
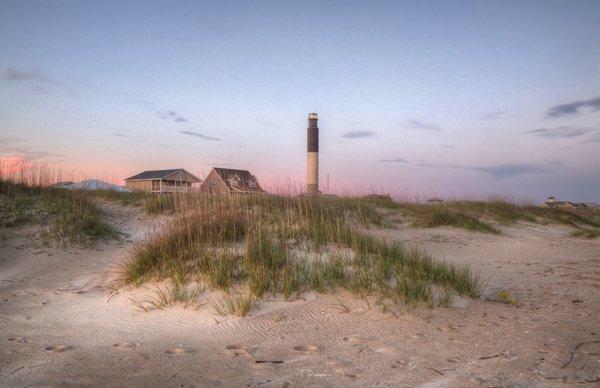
(10, 140)
(560, 132)
(141, 101)
(119, 134)
(394, 160)
(594, 138)
(499, 171)
(29, 153)
(40, 83)
(172, 115)
(447, 145)
(502, 171)
(423, 163)
(160, 112)
(43, 84)
(357, 134)
(12, 74)
(418, 124)
(492, 115)
(573, 107)
(200, 135)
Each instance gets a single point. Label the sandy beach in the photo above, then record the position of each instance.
(299, 194)
(60, 325)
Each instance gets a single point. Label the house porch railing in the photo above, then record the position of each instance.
(171, 189)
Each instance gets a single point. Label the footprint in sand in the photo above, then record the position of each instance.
(351, 376)
(58, 348)
(357, 339)
(308, 349)
(389, 350)
(21, 340)
(342, 368)
(399, 364)
(181, 350)
(126, 345)
(238, 350)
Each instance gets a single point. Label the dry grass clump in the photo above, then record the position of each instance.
(434, 216)
(136, 198)
(65, 216)
(239, 304)
(506, 297)
(166, 296)
(159, 204)
(587, 233)
(273, 244)
(476, 215)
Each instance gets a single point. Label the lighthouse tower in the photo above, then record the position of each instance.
(312, 165)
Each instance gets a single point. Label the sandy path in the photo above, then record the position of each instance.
(56, 326)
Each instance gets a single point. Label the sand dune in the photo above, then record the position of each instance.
(58, 324)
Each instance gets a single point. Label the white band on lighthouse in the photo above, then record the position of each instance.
(312, 170)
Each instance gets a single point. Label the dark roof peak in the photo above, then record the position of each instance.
(229, 171)
(158, 174)
(226, 174)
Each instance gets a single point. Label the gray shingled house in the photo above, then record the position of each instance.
(551, 202)
(175, 180)
(230, 181)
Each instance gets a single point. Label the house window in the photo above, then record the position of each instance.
(155, 185)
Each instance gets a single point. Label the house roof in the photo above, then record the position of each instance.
(226, 174)
(160, 174)
(93, 184)
(61, 184)
(435, 199)
(556, 203)
(565, 203)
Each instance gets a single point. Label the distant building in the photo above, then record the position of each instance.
(90, 184)
(435, 200)
(551, 202)
(378, 197)
(175, 180)
(230, 181)
(62, 185)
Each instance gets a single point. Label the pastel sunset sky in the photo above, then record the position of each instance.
(445, 97)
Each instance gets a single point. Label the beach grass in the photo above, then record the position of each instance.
(588, 233)
(64, 216)
(256, 245)
(239, 304)
(486, 215)
(286, 245)
(268, 244)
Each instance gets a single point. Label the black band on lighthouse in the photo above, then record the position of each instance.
(313, 136)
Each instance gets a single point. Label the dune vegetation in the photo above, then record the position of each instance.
(488, 215)
(64, 216)
(252, 246)
(282, 245)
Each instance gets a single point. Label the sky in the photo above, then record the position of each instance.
(454, 98)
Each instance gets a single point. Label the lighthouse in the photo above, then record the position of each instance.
(312, 165)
